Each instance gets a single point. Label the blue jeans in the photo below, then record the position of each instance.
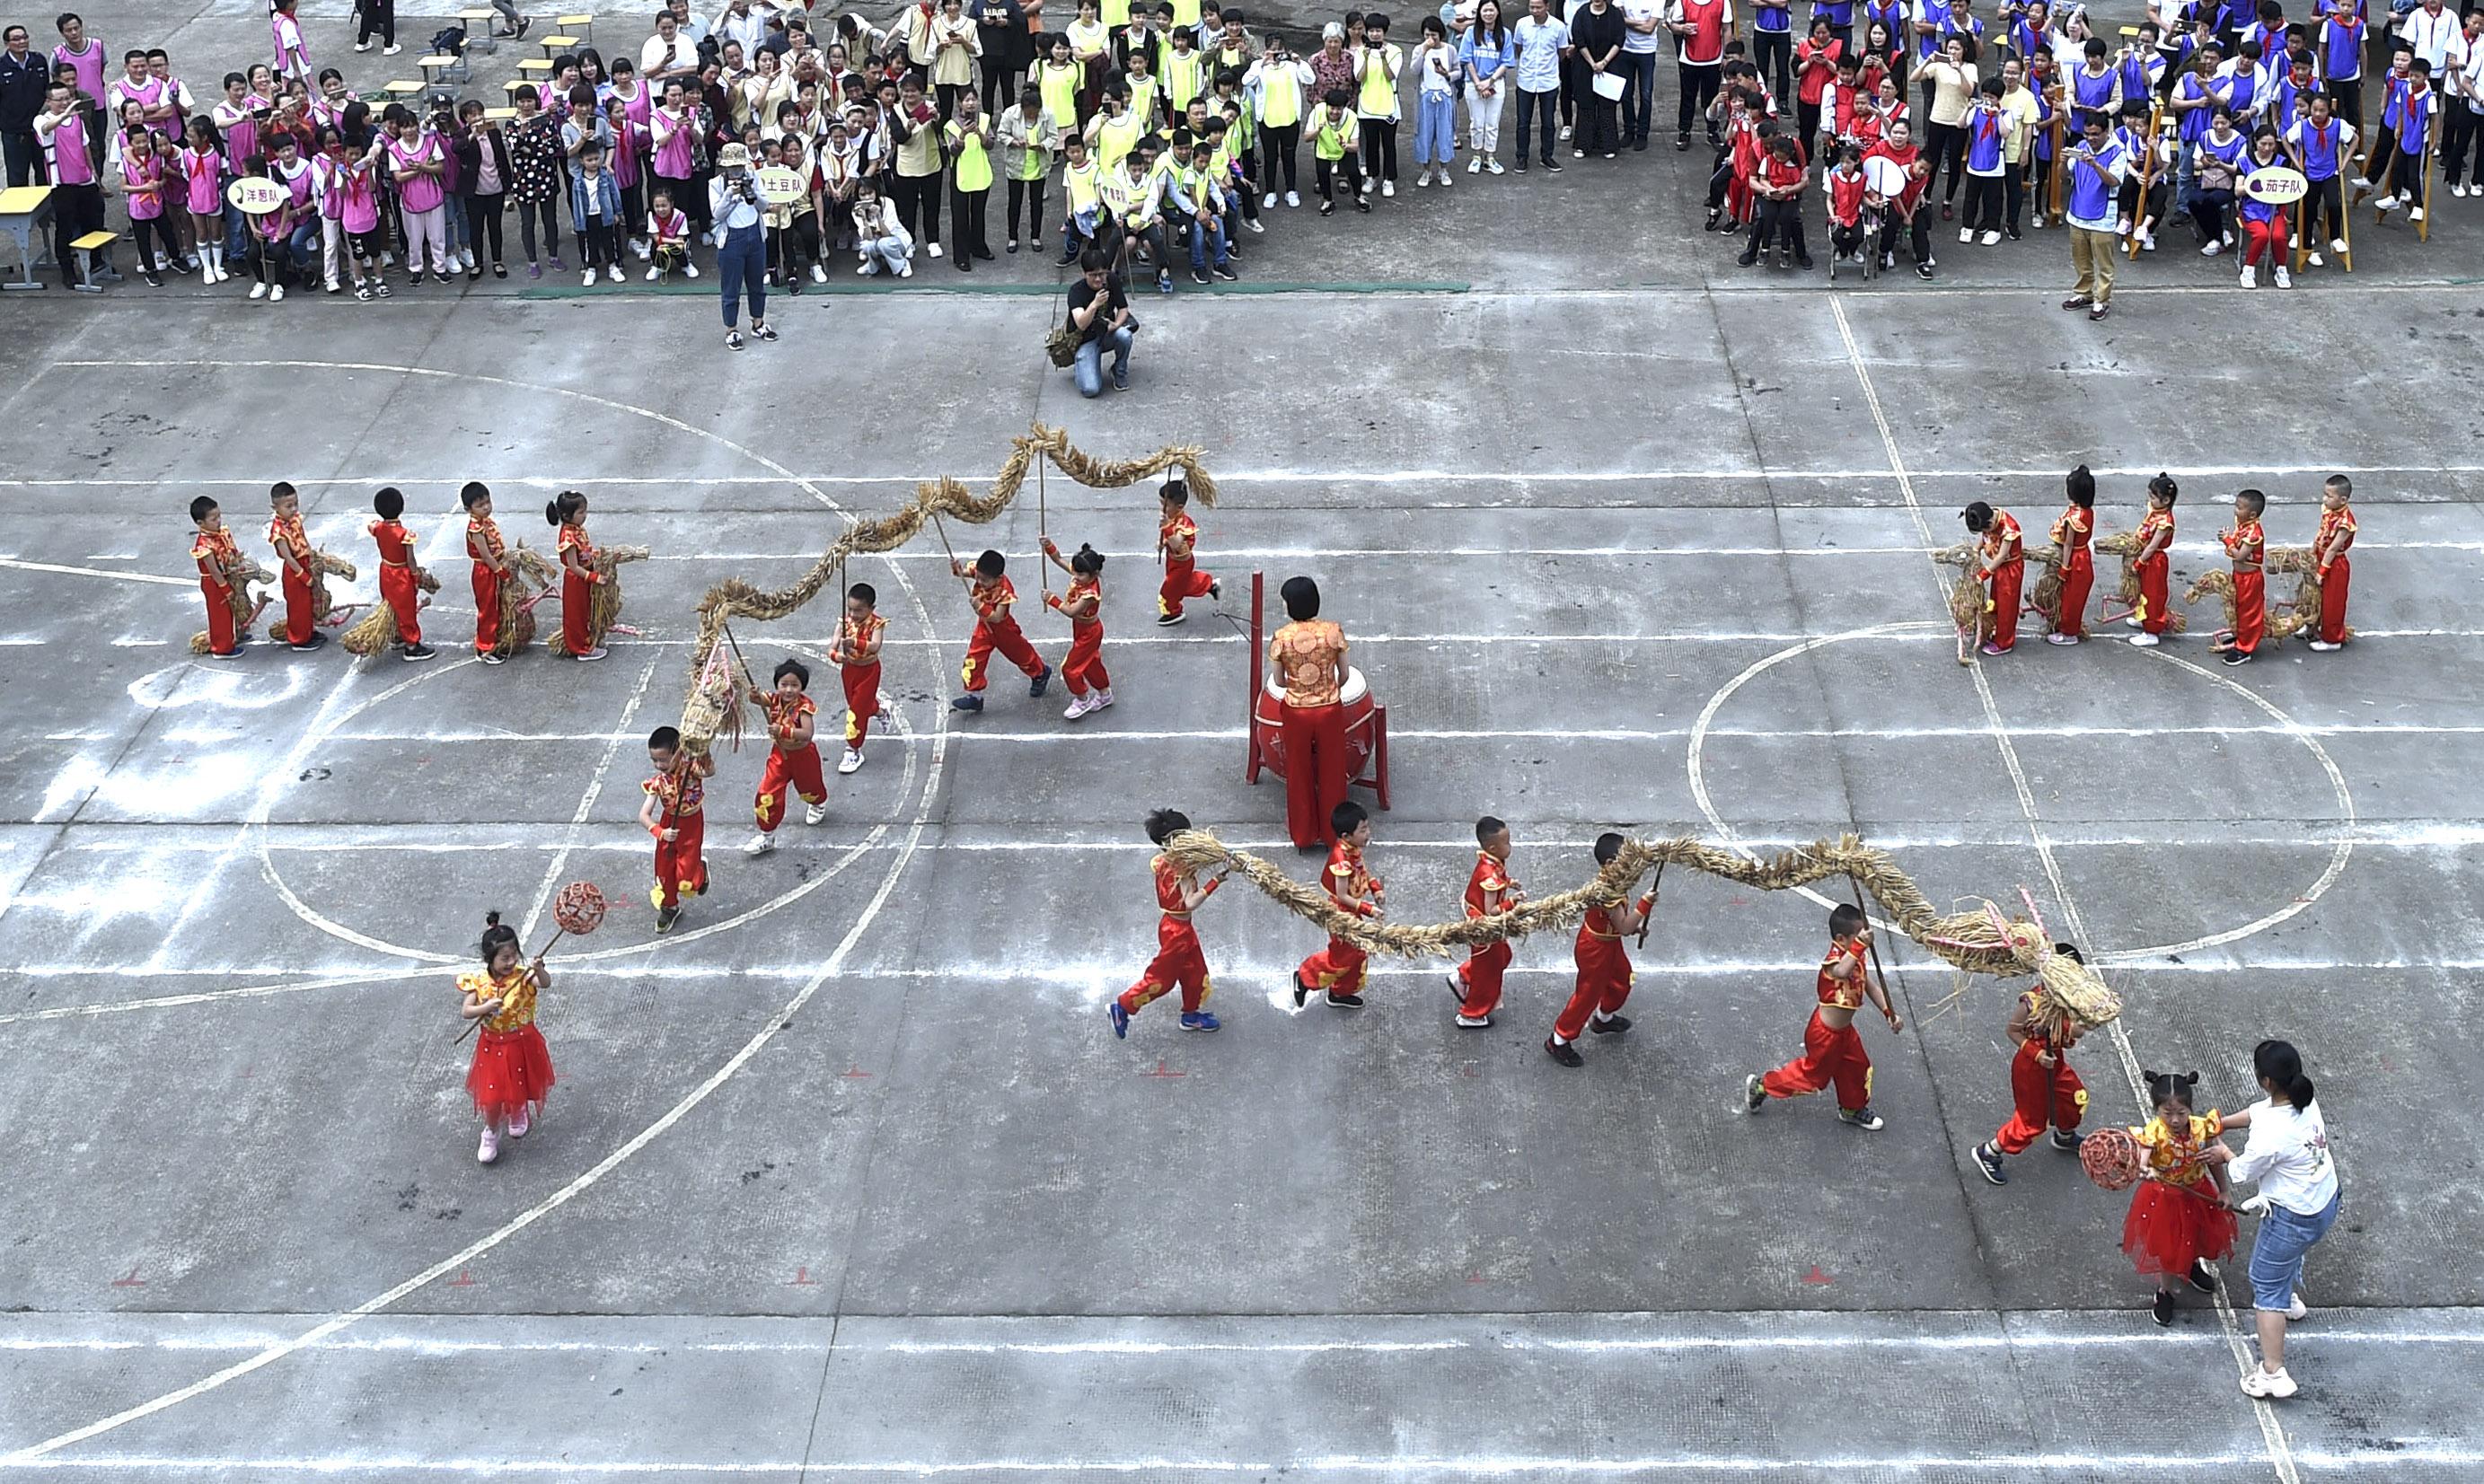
(305, 243)
(1207, 233)
(237, 233)
(2277, 1253)
(1436, 135)
(1089, 367)
(742, 261)
(1638, 105)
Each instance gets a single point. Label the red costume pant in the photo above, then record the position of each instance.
(2041, 1097)
(1006, 637)
(2264, 237)
(1179, 962)
(2155, 609)
(1337, 968)
(1182, 582)
(2006, 582)
(681, 865)
(1315, 770)
(297, 607)
(2251, 610)
(487, 608)
(2078, 576)
(2332, 601)
(1604, 986)
(1084, 669)
(1481, 974)
(795, 771)
(1828, 1056)
(862, 699)
(577, 606)
(398, 591)
(220, 616)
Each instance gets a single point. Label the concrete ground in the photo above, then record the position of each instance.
(848, 1179)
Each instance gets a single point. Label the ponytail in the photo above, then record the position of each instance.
(566, 508)
(2281, 1066)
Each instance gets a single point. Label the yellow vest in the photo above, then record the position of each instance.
(1132, 202)
(1328, 138)
(1118, 138)
(1085, 185)
(1281, 97)
(1059, 86)
(1185, 13)
(972, 161)
(1185, 75)
(1115, 13)
(1379, 99)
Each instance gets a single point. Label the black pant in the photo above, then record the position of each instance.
(2014, 191)
(530, 212)
(380, 16)
(1380, 147)
(1984, 194)
(25, 155)
(1277, 144)
(2329, 194)
(160, 228)
(1698, 91)
(1806, 118)
(966, 213)
(996, 76)
(598, 244)
(76, 210)
(2465, 128)
(1529, 106)
(1947, 144)
(948, 93)
(1775, 46)
(2208, 208)
(1029, 194)
(1338, 173)
(2348, 94)
(1776, 221)
(1844, 241)
(1918, 229)
(1597, 128)
(917, 199)
(483, 225)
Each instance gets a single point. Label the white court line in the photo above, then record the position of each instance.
(2272, 1433)
(15, 564)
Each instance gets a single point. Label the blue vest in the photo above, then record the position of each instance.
(2320, 150)
(1984, 139)
(2090, 187)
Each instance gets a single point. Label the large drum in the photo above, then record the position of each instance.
(1361, 734)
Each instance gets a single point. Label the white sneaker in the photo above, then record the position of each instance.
(867, 267)
(689, 270)
(2417, 215)
(2386, 203)
(1565, 132)
(466, 259)
(1253, 224)
(488, 1150)
(815, 814)
(276, 295)
(1444, 177)
(1293, 198)
(1077, 708)
(2284, 279)
(1474, 166)
(387, 258)
(1103, 698)
(2251, 278)
(2060, 638)
(851, 760)
(2323, 646)
(522, 1124)
(590, 278)
(2144, 641)
(1371, 185)
(1268, 202)
(651, 275)
(361, 46)
(818, 275)
(2121, 228)
(2458, 190)
(258, 291)
(391, 50)
(760, 843)
(1424, 177)
(1966, 234)
(2315, 260)
(2212, 250)
(2148, 242)
(2338, 245)
(612, 271)
(645, 249)
(935, 249)
(1991, 237)
(906, 268)
(2038, 222)
(2262, 1383)
(2362, 182)
(2132, 622)
(1495, 166)
(2296, 1310)
(1390, 188)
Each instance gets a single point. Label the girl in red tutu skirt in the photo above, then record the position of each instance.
(512, 1071)
(2178, 1221)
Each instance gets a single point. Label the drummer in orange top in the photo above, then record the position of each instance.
(792, 759)
(219, 567)
(674, 813)
(992, 594)
(490, 555)
(857, 653)
(2073, 533)
(1337, 969)
(2001, 565)
(1832, 1051)
(1178, 961)
(1604, 976)
(1307, 660)
(1178, 543)
(2248, 549)
(399, 573)
(293, 555)
(2329, 553)
(1490, 890)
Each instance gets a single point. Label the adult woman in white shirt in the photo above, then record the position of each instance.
(2287, 1155)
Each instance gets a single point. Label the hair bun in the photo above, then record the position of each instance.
(492, 918)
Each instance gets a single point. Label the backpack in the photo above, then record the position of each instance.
(448, 42)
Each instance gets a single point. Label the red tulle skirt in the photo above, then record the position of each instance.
(2170, 1228)
(513, 1068)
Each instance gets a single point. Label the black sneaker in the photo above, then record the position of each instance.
(1714, 216)
(732, 339)
(1862, 1118)
(1924, 271)
(1563, 1053)
(2238, 657)
(764, 331)
(1199, 276)
(1638, 146)
(2065, 1141)
(1681, 140)
(1747, 259)
(1302, 992)
(1329, 207)
(2162, 1307)
(1363, 203)
(1336, 1001)
(1803, 262)
(1610, 1025)
(1553, 166)
(414, 653)
(1035, 687)
(491, 657)
(1228, 274)
(1989, 1160)
(154, 281)
(665, 917)
(234, 653)
(971, 701)
(2203, 1277)
(317, 640)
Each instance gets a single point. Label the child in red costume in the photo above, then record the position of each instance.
(400, 574)
(674, 813)
(793, 756)
(1490, 890)
(992, 594)
(2178, 1221)
(511, 1074)
(2074, 533)
(2329, 555)
(1178, 543)
(1337, 970)
(1179, 962)
(2045, 1094)
(293, 561)
(1832, 1050)
(1091, 689)
(2001, 565)
(220, 571)
(1604, 976)
(857, 653)
(489, 551)
(578, 578)
(2154, 615)
(2246, 548)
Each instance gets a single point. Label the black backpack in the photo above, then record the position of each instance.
(448, 42)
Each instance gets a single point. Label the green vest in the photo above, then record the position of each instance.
(1059, 86)
(973, 162)
(1185, 75)
(1118, 138)
(1281, 97)
(1328, 143)
(1379, 95)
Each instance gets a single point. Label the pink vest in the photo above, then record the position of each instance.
(641, 108)
(628, 142)
(288, 33)
(72, 165)
(673, 155)
(199, 172)
(417, 192)
(143, 208)
(241, 137)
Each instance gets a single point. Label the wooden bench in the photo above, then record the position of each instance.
(582, 27)
(443, 70)
(401, 90)
(557, 43)
(86, 248)
(478, 24)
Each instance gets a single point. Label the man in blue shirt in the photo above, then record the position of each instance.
(2097, 165)
(1543, 43)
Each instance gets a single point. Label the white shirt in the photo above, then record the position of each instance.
(2467, 58)
(1637, 12)
(651, 56)
(2428, 36)
(2287, 1154)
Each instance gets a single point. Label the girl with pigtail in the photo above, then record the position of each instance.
(578, 575)
(511, 1074)
(1091, 690)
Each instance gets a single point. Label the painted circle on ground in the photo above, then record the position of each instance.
(2338, 856)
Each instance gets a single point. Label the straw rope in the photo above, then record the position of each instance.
(710, 695)
(531, 575)
(245, 602)
(2125, 544)
(1982, 941)
(376, 629)
(603, 599)
(2284, 620)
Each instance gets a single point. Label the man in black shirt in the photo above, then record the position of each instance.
(1099, 312)
(25, 77)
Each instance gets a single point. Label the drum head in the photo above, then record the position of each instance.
(1884, 175)
(1355, 690)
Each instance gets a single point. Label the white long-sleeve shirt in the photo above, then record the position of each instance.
(2287, 1155)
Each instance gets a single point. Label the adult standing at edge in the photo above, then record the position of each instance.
(741, 245)
(1307, 662)
(2288, 1156)
(25, 79)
